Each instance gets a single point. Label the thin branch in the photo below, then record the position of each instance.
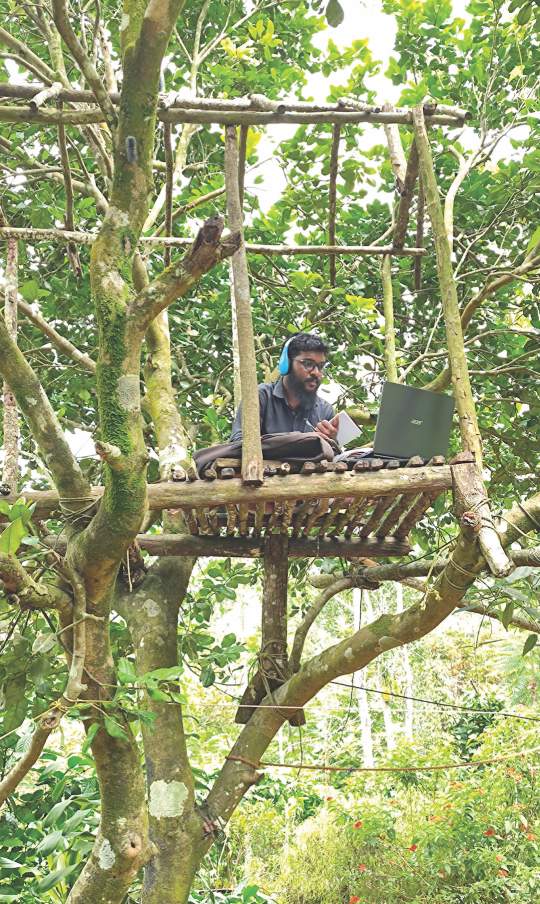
(206, 251)
(61, 18)
(315, 609)
(60, 342)
(50, 720)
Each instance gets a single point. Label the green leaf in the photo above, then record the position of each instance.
(114, 729)
(90, 735)
(169, 674)
(49, 843)
(6, 863)
(52, 879)
(531, 642)
(534, 239)
(126, 672)
(508, 612)
(208, 676)
(74, 821)
(11, 536)
(56, 812)
(525, 14)
(334, 13)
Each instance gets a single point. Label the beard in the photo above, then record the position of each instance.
(305, 390)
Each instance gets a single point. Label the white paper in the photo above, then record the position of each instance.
(347, 429)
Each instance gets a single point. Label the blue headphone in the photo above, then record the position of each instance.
(284, 365)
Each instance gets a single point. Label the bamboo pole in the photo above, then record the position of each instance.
(389, 329)
(252, 459)
(468, 424)
(31, 234)
(11, 428)
(245, 110)
(332, 197)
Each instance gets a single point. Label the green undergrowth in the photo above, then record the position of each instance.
(460, 836)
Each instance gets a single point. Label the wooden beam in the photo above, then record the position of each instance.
(31, 234)
(252, 459)
(274, 489)
(253, 548)
(254, 109)
(332, 197)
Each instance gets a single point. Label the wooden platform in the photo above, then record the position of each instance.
(372, 507)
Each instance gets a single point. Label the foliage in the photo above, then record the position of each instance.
(432, 839)
(48, 831)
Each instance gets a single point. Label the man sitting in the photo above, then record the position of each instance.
(292, 403)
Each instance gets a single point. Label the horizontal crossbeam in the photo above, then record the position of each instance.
(87, 238)
(294, 487)
(253, 110)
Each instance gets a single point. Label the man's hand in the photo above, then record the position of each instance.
(328, 429)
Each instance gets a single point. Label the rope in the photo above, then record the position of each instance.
(316, 767)
(74, 515)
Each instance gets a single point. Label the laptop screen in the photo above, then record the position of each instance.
(413, 422)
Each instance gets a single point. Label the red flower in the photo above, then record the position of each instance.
(530, 836)
(413, 848)
(358, 824)
(362, 867)
(354, 899)
(489, 832)
(502, 872)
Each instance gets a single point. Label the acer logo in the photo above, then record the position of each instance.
(415, 421)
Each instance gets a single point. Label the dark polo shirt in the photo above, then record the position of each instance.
(278, 417)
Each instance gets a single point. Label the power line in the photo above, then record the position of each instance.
(441, 703)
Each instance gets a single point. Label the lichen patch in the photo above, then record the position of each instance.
(128, 392)
(151, 607)
(106, 856)
(167, 799)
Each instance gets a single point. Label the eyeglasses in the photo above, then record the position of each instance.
(309, 365)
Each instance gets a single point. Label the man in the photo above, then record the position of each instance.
(292, 404)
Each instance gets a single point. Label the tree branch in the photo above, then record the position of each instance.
(206, 251)
(37, 410)
(60, 342)
(345, 657)
(61, 19)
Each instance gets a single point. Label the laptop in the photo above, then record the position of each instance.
(413, 422)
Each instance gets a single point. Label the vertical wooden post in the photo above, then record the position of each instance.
(332, 198)
(273, 668)
(169, 184)
(237, 389)
(468, 423)
(389, 329)
(252, 461)
(419, 236)
(11, 429)
(274, 659)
